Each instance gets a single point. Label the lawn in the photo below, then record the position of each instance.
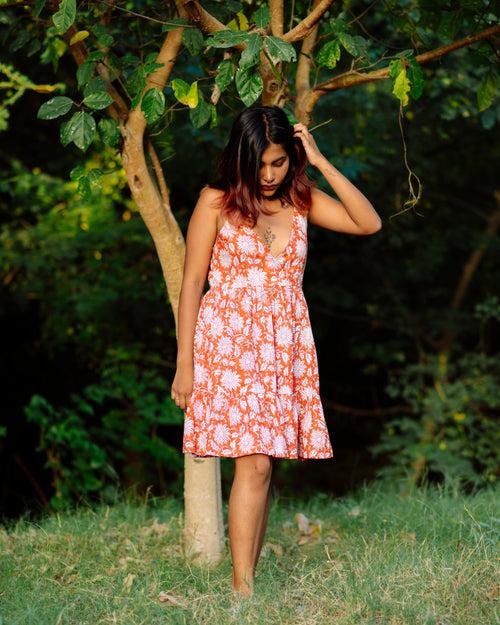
(378, 556)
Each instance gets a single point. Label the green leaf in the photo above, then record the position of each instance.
(153, 104)
(355, 45)
(337, 25)
(250, 55)
(96, 84)
(261, 17)
(149, 68)
(416, 78)
(279, 50)
(488, 90)
(226, 38)
(81, 129)
(34, 47)
(64, 135)
(395, 67)
(249, 85)
(55, 107)
(174, 23)
(95, 55)
(185, 93)
(84, 73)
(109, 131)
(104, 39)
(65, 16)
(37, 9)
(214, 120)
(77, 172)
(226, 71)
(98, 100)
(201, 114)
(193, 40)
(401, 87)
(20, 41)
(329, 54)
(79, 36)
(136, 81)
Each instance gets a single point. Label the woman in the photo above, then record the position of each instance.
(247, 371)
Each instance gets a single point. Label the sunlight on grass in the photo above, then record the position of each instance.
(374, 557)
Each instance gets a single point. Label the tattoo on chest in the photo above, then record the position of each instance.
(269, 237)
(268, 234)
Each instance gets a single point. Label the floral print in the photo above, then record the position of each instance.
(256, 382)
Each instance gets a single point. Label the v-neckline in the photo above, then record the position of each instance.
(290, 238)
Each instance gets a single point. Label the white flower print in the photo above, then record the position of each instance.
(216, 326)
(307, 336)
(236, 321)
(279, 444)
(247, 361)
(235, 413)
(267, 352)
(246, 244)
(230, 379)
(298, 368)
(221, 433)
(200, 373)
(284, 336)
(317, 439)
(225, 259)
(224, 345)
(256, 277)
(246, 442)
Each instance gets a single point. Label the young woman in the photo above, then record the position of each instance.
(247, 369)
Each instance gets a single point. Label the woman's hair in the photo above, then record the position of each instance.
(237, 171)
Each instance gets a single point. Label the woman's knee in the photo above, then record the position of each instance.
(255, 466)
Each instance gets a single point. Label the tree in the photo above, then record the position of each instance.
(247, 54)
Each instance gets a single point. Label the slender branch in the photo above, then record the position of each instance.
(79, 52)
(351, 79)
(159, 173)
(302, 29)
(302, 76)
(277, 15)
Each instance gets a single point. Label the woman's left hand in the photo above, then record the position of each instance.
(301, 132)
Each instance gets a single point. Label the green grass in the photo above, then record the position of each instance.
(379, 557)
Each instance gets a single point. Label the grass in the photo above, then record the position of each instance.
(374, 557)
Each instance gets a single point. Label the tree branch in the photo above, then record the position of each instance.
(277, 16)
(302, 29)
(351, 79)
(159, 173)
(302, 76)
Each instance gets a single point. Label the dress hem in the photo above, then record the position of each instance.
(297, 457)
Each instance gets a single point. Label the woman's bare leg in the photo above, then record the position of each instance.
(247, 506)
(262, 529)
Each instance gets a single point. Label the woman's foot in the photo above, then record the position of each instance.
(242, 590)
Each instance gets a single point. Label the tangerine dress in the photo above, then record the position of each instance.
(256, 382)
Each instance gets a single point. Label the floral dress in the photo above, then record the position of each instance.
(256, 382)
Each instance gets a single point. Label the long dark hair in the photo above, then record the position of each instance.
(237, 170)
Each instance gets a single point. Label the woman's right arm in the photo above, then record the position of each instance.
(200, 238)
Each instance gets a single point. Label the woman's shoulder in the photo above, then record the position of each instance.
(211, 194)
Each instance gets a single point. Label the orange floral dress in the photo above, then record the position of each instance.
(256, 382)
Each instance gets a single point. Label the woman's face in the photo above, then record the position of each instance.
(273, 169)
